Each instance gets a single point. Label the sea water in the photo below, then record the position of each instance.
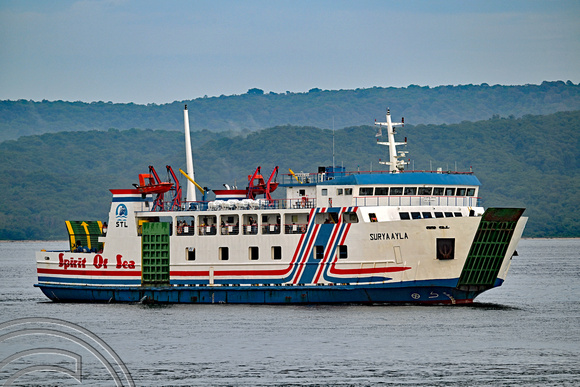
(526, 332)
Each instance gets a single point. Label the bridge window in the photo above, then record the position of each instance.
(471, 192)
(438, 191)
(410, 190)
(396, 190)
(416, 215)
(449, 214)
(449, 191)
(404, 215)
(438, 214)
(461, 191)
(381, 191)
(348, 191)
(425, 190)
(365, 191)
(457, 214)
(427, 215)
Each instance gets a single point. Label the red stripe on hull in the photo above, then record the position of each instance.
(103, 273)
(370, 270)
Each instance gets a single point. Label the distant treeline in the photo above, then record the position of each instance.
(319, 108)
(530, 161)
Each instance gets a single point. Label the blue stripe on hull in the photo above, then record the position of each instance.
(312, 264)
(90, 281)
(420, 292)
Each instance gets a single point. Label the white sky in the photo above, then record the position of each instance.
(146, 51)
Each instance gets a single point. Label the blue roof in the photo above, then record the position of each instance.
(418, 178)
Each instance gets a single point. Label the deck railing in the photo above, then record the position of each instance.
(359, 201)
(460, 201)
(260, 204)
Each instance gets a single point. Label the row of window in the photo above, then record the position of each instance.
(235, 224)
(410, 191)
(270, 223)
(428, 215)
(422, 215)
(445, 250)
(275, 253)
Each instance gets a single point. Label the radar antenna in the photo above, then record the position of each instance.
(396, 163)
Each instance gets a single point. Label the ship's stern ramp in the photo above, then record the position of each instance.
(494, 244)
(84, 235)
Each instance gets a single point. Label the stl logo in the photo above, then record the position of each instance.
(56, 352)
(121, 212)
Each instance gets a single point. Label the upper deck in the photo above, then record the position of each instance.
(337, 175)
(361, 189)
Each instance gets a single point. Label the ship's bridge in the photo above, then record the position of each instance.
(382, 188)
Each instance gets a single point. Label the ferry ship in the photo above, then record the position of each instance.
(392, 236)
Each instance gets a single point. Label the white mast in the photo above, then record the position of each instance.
(395, 165)
(188, 159)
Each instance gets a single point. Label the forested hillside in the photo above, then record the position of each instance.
(531, 161)
(320, 108)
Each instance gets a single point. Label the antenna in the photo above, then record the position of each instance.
(333, 145)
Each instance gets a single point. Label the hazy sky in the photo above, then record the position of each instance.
(162, 51)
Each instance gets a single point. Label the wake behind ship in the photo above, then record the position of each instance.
(391, 236)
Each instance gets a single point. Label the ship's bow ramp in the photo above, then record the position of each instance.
(492, 248)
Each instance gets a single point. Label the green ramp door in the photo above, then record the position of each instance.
(489, 247)
(155, 253)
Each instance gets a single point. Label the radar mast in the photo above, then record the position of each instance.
(395, 163)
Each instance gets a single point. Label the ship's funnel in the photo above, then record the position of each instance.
(188, 158)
